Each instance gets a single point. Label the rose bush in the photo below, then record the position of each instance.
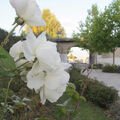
(47, 74)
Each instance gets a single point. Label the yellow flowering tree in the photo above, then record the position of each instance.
(52, 27)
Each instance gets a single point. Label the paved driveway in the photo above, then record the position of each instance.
(109, 79)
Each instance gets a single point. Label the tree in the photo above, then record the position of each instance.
(83, 38)
(106, 29)
(101, 30)
(71, 56)
(52, 27)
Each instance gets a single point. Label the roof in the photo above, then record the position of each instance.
(61, 39)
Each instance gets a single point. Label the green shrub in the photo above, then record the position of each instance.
(96, 66)
(115, 110)
(100, 94)
(111, 68)
(95, 91)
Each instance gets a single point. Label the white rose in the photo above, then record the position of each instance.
(45, 51)
(50, 84)
(29, 11)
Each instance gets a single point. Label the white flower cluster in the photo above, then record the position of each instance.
(47, 75)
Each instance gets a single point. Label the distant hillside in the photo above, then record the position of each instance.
(13, 39)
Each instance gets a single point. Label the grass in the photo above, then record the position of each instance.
(89, 111)
(85, 111)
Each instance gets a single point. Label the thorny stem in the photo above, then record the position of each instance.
(84, 87)
(6, 39)
(5, 103)
(85, 84)
(67, 117)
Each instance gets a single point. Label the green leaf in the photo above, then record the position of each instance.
(82, 98)
(11, 110)
(76, 96)
(20, 105)
(41, 118)
(2, 56)
(64, 111)
(6, 61)
(71, 86)
(26, 100)
(71, 91)
(64, 104)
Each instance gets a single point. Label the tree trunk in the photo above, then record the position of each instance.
(90, 58)
(96, 58)
(114, 57)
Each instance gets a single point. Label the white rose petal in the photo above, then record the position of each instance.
(66, 66)
(23, 74)
(35, 77)
(28, 47)
(31, 44)
(53, 95)
(16, 50)
(48, 58)
(42, 95)
(55, 79)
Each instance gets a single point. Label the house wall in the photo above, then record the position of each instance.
(108, 58)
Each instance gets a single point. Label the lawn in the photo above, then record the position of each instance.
(89, 111)
(85, 111)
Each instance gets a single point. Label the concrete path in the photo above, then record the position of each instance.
(109, 79)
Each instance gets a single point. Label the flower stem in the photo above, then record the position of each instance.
(5, 103)
(18, 59)
(6, 39)
(8, 91)
(22, 64)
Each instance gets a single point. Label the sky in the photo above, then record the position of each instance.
(68, 12)
(80, 52)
